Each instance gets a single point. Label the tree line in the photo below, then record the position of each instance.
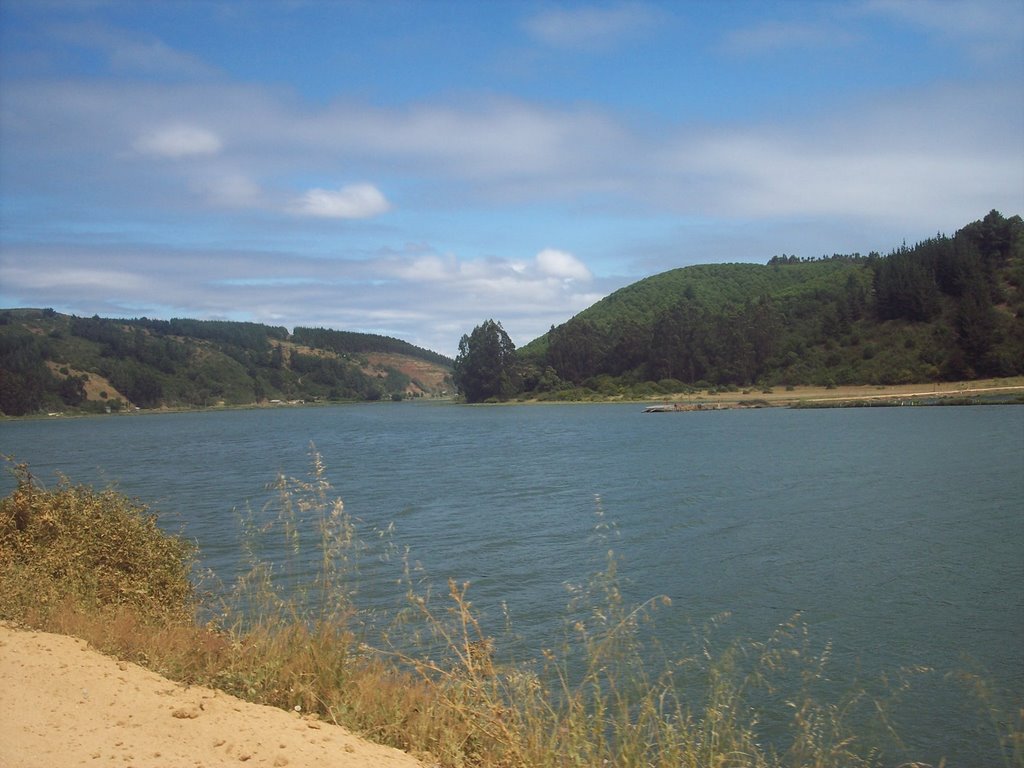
(353, 343)
(47, 358)
(948, 308)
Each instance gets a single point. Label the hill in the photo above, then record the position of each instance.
(949, 308)
(55, 362)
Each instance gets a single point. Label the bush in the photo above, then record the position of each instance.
(73, 545)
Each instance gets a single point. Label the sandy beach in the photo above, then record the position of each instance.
(64, 704)
(780, 396)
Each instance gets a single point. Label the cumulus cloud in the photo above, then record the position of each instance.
(178, 141)
(478, 175)
(941, 155)
(356, 201)
(510, 152)
(415, 294)
(560, 264)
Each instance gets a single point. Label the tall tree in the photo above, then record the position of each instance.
(486, 364)
(574, 350)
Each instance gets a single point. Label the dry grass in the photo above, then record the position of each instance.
(94, 564)
(92, 549)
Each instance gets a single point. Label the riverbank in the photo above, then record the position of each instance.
(68, 704)
(1005, 390)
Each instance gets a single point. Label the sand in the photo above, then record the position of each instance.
(63, 704)
(780, 396)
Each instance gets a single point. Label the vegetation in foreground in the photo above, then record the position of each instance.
(429, 679)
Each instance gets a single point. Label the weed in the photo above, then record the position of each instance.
(432, 679)
(73, 546)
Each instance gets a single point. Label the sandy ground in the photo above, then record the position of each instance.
(781, 396)
(63, 704)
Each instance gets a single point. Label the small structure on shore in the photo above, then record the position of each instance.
(673, 407)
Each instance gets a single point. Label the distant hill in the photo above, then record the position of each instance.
(949, 308)
(55, 362)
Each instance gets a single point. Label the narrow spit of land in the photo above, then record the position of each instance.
(63, 703)
(900, 394)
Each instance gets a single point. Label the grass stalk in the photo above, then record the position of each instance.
(433, 680)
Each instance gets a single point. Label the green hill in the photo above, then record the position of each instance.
(949, 308)
(55, 362)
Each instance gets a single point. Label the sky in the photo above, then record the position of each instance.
(415, 168)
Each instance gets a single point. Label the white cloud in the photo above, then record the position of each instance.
(988, 31)
(506, 168)
(131, 52)
(496, 140)
(910, 154)
(428, 299)
(231, 190)
(555, 263)
(178, 141)
(417, 267)
(587, 27)
(74, 279)
(356, 201)
(981, 25)
(771, 36)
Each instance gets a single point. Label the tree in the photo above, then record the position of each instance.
(574, 350)
(679, 344)
(72, 390)
(24, 378)
(905, 288)
(486, 364)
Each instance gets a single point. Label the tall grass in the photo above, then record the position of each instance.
(431, 676)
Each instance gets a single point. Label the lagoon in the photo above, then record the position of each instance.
(894, 533)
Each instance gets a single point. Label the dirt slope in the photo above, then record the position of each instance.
(64, 704)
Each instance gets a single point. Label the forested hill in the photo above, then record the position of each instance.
(55, 362)
(949, 308)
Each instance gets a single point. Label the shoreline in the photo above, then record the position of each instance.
(970, 392)
(76, 705)
(918, 394)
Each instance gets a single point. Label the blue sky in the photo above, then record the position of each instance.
(414, 168)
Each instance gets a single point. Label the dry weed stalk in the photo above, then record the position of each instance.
(436, 681)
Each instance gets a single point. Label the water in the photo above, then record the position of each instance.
(896, 533)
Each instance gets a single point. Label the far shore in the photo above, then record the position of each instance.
(896, 394)
(1003, 390)
(1008, 390)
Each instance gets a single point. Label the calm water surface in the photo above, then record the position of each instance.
(896, 533)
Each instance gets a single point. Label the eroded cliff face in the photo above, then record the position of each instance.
(426, 378)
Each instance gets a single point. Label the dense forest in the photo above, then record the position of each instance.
(948, 308)
(55, 362)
